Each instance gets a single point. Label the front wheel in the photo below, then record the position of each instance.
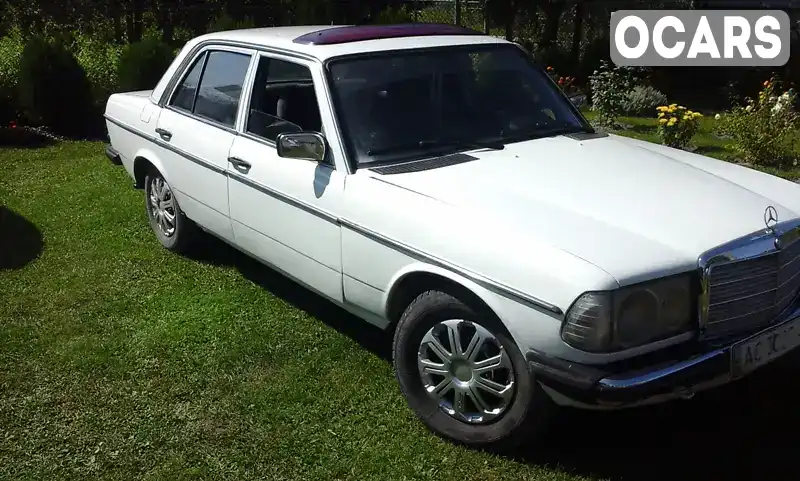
(465, 377)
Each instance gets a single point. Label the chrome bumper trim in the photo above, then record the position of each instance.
(601, 387)
(641, 380)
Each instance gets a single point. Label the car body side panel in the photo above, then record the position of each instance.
(380, 246)
(127, 130)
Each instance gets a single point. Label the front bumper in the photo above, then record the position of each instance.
(676, 372)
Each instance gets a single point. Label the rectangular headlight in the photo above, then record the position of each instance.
(631, 316)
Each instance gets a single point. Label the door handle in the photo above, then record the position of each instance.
(165, 134)
(239, 164)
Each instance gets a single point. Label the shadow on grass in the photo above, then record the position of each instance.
(20, 241)
(210, 250)
(745, 430)
(741, 431)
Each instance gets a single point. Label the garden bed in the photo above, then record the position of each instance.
(25, 137)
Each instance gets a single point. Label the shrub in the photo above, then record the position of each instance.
(567, 84)
(10, 52)
(142, 64)
(394, 14)
(53, 88)
(642, 100)
(610, 87)
(764, 130)
(557, 57)
(592, 56)
(677, 125)
(100, 61)
(224, 22)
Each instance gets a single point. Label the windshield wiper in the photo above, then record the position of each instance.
(423, 144)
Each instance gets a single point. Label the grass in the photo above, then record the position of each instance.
(119, 360)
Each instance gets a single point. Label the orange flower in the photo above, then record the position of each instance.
(766, 83)
(549, 69)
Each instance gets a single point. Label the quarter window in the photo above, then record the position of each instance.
(184, 94)
(213, 86)
(283, 100)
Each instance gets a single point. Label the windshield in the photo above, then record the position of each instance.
(405, 105)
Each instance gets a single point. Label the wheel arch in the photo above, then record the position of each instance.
(143, 161)
(417, 278)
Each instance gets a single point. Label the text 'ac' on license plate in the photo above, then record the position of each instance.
(750, 354)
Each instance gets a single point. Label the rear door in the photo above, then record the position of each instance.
(197, 127)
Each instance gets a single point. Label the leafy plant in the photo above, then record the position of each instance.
(11, 47)
(224, 22)
(142, 64)
(567, 84)
(100, 61)
(610, 87)
(642, 100)
(394, 14)
(677, 125)
(764, 130)
(53, 88)
(556, 56)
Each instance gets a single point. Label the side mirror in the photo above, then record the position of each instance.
(302, 145)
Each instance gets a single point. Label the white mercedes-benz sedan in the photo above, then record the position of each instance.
(435, 182)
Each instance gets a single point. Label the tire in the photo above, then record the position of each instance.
(176, 235)
(528, 408)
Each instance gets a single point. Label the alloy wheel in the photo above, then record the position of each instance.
(466, 370)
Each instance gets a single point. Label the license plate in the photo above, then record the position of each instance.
(749, 355)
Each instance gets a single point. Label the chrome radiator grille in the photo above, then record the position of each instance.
(749, 293)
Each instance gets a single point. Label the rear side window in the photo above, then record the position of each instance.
(215, 92)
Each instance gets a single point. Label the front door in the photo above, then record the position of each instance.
(282, 209)
(197, 128)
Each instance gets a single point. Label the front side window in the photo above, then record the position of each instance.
(402, 105)
(283, 100)
(213, 86)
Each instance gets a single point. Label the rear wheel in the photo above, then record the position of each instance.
(172, 228)
(464, 376)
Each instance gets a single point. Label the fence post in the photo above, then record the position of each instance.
(457, 19)
(485, 12)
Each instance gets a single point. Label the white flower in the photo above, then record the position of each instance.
(717, 117)
(777, 108)
(785, 96)
(749, 108)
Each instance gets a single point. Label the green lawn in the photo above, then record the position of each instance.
(119, 360)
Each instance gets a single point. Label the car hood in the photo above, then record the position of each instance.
(634, 209)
